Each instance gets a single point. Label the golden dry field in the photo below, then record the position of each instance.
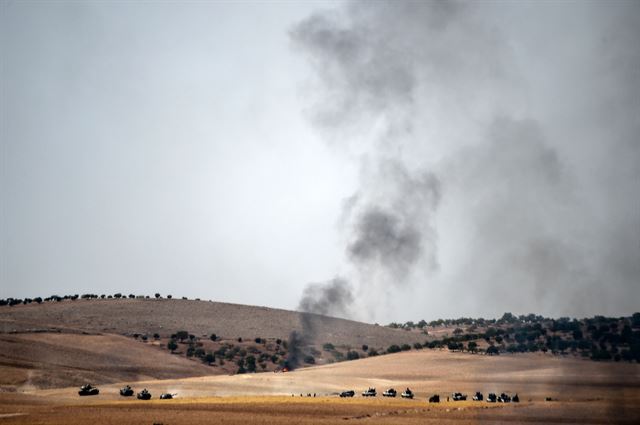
(583, 392)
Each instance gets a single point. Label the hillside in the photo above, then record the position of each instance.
(201, 318)
(56, 344)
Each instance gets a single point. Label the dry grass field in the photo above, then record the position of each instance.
(583, 392)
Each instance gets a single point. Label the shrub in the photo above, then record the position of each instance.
(209, 358)
(493, 350)
(213, 337)
(417, 346)
(328, 347)
(157, 295)
(118, 295)
(365, 348)
(169, 296)
(171, 345)
(373, 352)
(352, 355)
(394, 349)
(182, 335)
(309, 360)
(251, 364)
(405, 347)
(258, 340)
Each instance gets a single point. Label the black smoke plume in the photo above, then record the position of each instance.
(332, 298)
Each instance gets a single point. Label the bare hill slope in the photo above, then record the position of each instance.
(49, 360)
(58, 344)
(166, 316)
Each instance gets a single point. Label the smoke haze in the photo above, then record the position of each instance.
(490, 176)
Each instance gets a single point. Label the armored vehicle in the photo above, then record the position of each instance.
(144, 395)
(492, 398)
(349, 393)
(478, 396)
(371, 392)
(407, 393)
(458, 396)
(504, 398)
(167, 396)
(390, 393)
(434, 399)
(126, 391)
(88, 389)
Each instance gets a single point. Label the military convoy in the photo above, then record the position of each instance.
(88, 389)
(127, 391)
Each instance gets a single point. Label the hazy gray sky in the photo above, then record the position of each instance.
(443, 158)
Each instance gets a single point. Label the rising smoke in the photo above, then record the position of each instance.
(496, 158)
(319, 300)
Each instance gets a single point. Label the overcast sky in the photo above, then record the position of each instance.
(442, 159)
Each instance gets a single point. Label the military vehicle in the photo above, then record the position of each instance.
(458, 396)
(390, 393)
(478, 396)
(126, 391)
(88, 389)
(349, 393)
(504, 398)
(492, 398)
(144, 395)
(434, 399)
(407, 394)
(515, 398)
(167, 396)
(371, 392)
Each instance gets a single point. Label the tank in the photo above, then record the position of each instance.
(390, 393)
(144, 395)
(349, 393)
(371, 392)
(126, 391)
(504, 398)
(458, 396)
(166, 396)
(434, 399)
(407, 394)
(88, 389)
(478, 396)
